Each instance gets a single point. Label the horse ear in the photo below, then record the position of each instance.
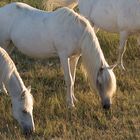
(99, 74)
(102, 67)
(112, 67)
(29, 88)
(99, 79)
(23, 95)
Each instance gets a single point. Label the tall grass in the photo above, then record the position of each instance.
(53, 120)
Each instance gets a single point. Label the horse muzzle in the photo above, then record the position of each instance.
(27, 130)
(106, 104)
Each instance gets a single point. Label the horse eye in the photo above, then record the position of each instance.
(24, 111)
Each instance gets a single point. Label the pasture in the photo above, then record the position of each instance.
(53, 120)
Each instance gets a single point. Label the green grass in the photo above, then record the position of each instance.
(88, 121)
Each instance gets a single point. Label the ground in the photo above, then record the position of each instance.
(87, 121)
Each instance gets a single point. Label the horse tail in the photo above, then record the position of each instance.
(50, 5)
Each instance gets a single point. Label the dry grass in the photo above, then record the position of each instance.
(88, 120)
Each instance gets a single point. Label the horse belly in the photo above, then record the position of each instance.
(37, 52)
(34, 46)
(36, 49)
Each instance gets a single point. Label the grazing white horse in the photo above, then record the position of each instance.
(62, 33)
(22, 100)
(118, 16)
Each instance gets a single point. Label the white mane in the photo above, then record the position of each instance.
(97, 56)
(6, 66)
(98, 72)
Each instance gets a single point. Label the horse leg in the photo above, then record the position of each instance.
(138, 40)
(7, 45)
(73, 64)
(122, 48)
(10, 47)
(65, 62)
(3, 89)
(96, 29)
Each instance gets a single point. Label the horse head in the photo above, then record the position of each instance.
(22, 111)
(106, 85)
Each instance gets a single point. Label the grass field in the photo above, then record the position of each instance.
(88, 121)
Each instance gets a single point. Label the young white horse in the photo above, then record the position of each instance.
(118, 16)
(62, 33)
(22, 100)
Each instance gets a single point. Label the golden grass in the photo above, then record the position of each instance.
(88, 121)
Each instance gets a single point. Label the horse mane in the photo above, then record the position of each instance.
(69, 15)
(91, 51)
(7, 67)
(94, 62)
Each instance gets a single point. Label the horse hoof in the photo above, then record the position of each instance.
(74, 98)
(3, 91)
(70, 106)
(122, 67)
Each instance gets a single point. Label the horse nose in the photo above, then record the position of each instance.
(28, 130)
(106, 103)
(106, 106)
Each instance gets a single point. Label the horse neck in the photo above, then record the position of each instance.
(15, 85)
(92, 56)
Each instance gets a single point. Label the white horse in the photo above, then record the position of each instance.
(22, 100)
(62, 33)
(118, 16)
